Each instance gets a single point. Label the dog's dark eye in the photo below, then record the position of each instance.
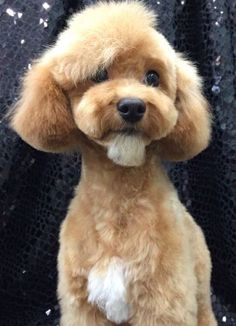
(152, 78)
(100, 76)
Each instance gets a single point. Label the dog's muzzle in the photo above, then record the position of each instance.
(131, 109)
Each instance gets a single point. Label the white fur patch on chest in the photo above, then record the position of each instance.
(108, 291)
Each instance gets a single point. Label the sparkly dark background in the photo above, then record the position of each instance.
(35, 187)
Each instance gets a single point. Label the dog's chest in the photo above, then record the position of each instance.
(127, 224)
(146, 243)
(108, 290)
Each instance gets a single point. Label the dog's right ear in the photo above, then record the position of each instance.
(42, 116)
(192, 131)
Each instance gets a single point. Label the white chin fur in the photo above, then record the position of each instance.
(127, 150)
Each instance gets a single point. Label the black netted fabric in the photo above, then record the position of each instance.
(35, 187)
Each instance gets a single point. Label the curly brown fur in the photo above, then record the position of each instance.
(129, 251)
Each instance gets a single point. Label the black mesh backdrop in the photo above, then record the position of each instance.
(35, 187)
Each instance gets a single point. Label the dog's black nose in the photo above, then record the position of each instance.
(131, 109)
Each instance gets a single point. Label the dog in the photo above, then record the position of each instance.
(113, 87)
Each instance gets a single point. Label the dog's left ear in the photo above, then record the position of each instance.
(192, 131)
(42, 116)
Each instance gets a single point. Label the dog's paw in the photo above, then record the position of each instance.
(107, 290)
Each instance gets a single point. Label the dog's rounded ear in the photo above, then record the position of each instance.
(42, 116)
(192, 131)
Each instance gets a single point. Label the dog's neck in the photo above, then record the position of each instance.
(99, 171)
(115, 197)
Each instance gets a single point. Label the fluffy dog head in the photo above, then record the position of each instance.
(112, 77)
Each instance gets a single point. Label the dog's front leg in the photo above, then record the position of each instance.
(107, 290)
(73, 294)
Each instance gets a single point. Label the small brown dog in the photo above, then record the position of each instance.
(113, 87)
